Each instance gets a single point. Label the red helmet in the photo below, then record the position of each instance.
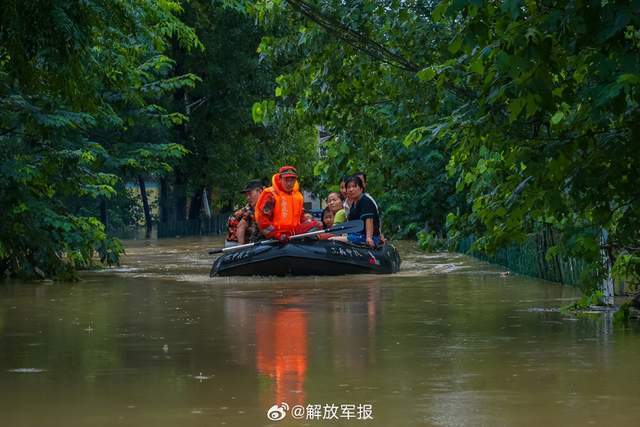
(286, 171)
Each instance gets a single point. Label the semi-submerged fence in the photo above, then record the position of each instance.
(216, 224)
(530, 259)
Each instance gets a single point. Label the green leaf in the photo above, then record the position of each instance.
(515, 107)
(557, 117)
(455, 45)
(629, 79)
(257, 112)
(477, 66)
(414, 136)
(426, 74)
(440, 10)
(532, 105)
(469, 178)
(482, 166)
(511, 7)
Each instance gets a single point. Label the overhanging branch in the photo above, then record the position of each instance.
(354, 38)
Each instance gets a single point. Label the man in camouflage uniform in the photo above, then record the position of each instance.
(241, 225)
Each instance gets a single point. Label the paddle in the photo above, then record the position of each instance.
(347, 227)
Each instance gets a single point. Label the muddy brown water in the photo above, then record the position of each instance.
(448, 341)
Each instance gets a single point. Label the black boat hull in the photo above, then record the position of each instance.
(307, 258)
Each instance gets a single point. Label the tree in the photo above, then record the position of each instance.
(531, 105)
(70, 71)
(550, 140)
(354, 71)
(225, 147)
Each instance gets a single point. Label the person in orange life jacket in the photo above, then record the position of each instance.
(279, 211)
(362, 208)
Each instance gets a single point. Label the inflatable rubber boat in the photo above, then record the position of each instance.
(307, 258)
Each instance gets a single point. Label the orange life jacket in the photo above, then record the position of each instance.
(287, 210)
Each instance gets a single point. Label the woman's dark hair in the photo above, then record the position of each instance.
(362, 174)
(356, 180)
(324, 212)
(344, 178)
(337, 193)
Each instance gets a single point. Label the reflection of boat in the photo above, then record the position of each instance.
(281, 351)
(315, 258)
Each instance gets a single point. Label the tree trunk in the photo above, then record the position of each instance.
(179, 195)
(163, 200)
(205, 203)
(556, 258)
(196, 205)
(179, 188)
(145, 205)
(607, 283)
(103, 212)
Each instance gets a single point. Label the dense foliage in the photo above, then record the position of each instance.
(531, 107)
(76, 79)
(495, 119)
(368, 98)
(225, 147)
(96, 96)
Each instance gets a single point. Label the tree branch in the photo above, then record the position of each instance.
(354, 38)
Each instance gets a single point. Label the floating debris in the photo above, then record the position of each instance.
(201, 377)
(543, 310)
(27, 370)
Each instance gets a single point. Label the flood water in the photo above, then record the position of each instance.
(448, 341)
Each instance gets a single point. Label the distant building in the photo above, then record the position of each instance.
(311, 201)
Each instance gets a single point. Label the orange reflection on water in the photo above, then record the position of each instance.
(281, 351)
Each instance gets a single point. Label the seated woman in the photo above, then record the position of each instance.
(362, 208)
(334, 204)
